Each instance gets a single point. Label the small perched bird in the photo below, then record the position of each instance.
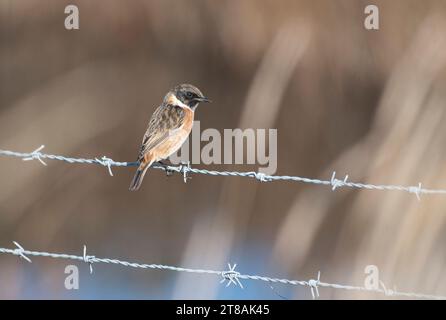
(168, 128)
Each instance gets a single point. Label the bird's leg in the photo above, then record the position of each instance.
(169, 172)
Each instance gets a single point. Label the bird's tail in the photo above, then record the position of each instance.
(139, 175)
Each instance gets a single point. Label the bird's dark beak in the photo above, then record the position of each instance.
(203, 99)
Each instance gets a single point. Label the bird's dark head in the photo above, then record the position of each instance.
(187, 95)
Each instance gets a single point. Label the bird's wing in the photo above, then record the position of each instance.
(163, 122)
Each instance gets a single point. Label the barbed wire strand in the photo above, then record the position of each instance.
(185, 169)
(230, 276)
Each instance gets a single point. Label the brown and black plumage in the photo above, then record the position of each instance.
(168, 128)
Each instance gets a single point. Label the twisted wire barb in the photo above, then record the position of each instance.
(186, 169)
(230, 276)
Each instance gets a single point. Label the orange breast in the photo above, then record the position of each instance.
(176, 140)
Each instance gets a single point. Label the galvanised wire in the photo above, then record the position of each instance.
(186, 169)
(229, 276)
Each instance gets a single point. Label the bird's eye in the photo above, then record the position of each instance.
(189, 95)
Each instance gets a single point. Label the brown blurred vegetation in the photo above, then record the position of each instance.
(370, 104)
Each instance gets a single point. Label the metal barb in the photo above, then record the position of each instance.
(262, 177)
(185, 169)
(20, 252)
(231, 276)
(336, 182)
(313, 284)
(88, 259)
(416, 190)
(106, 162)
(36, 155)
(388, 292)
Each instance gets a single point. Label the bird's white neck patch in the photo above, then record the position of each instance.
(173, 100)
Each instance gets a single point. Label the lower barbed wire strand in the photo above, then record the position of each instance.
(231, 275)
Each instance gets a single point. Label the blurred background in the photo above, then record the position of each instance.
(370, 104)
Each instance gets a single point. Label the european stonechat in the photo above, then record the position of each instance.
(168, 128)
